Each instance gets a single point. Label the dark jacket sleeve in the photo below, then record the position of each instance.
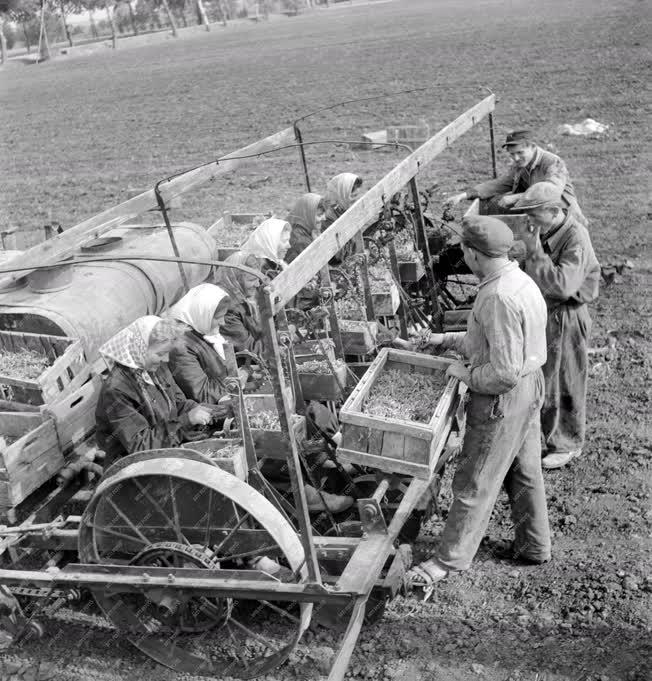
(236, 331)
(486, 190)
(191, 378)
(124, 421)
(183, 404)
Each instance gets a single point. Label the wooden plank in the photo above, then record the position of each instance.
(65, 244)
(382, 463)
(418, 430)
(16, 424)
(393, 445)
(354, 437)
(366, 209)
(418, 451)
(419, 359)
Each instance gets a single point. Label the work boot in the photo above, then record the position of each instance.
(335, 503)
(507, 551)
(271, 567)
(559, 459)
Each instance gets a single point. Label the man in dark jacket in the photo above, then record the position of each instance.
(561, 261)
(531, 164)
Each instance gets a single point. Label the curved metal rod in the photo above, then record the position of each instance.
(154, 258)
(361, 99)
(258, 154)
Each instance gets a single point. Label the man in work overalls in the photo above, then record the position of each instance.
(561, 260)
(530, 164)
(506, 348)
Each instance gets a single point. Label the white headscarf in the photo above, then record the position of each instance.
(129, 346)
(197, 309)
(338, 190)
(265, 240)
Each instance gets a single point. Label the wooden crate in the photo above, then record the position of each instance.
(386, 302)
(272, 444)
(235, 463)
(394, 445)
(359, 338)
(411, 270)
(74, 415)
(321, 386)
(67, 372)
(30, 460)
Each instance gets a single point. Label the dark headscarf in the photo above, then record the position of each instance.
(302, 217)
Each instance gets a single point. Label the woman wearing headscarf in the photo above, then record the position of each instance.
(197, 361)
(341, 193)
(305, 218)
(241, 325)
(270, 242)
(140, 406)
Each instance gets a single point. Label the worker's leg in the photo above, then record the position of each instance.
(495, 430)
(566, 372)
(525, 488)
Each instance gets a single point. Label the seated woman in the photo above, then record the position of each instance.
(197, 361)
(241, 325)
(270, 242)
(341, 193)
(305, 218)
(140, 406)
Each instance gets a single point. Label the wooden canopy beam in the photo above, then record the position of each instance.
(66, 243)
(366, 209)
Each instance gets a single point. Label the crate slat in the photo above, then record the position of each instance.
(31, 460)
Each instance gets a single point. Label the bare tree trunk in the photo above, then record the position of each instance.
(132, 18)
(28, 45)
(173, 23)
(66, 30)
(3, 43)
(203, 19)
(114, 40)
(92, 22)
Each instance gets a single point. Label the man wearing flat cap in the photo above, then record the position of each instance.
(561, 260)
(506, 348)
(531, 164)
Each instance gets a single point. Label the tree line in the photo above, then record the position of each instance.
(36, 23)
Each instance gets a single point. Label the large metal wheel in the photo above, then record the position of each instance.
(179, 512)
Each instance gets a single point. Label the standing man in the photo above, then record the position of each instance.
(561, 260)
(505, 345)
(531, 164)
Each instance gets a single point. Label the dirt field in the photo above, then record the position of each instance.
(78, 132)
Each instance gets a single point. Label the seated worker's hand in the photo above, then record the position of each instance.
(404, 344)
(507, 200)
(454, 200)
(458, 370)
(243, 375)
(200, 416)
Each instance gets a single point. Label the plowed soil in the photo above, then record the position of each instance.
(83, 133)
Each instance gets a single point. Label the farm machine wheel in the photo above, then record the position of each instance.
(183, 512)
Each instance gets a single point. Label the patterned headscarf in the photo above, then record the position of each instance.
(338, 191)
(129, 346)
(197, 309)
(233, 281)
(265, 240)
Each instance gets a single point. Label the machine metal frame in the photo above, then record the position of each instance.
(363, 559)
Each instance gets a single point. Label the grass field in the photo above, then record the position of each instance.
(79, 132)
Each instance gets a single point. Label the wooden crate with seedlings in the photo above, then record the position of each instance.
(318, 382)
(384, 292)
(38, 369)
(269, 441)
(227, 454)
(425, 406)
(412, 269)
(29, 456)
(358, 336)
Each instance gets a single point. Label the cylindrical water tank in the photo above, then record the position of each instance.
(104, 297)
